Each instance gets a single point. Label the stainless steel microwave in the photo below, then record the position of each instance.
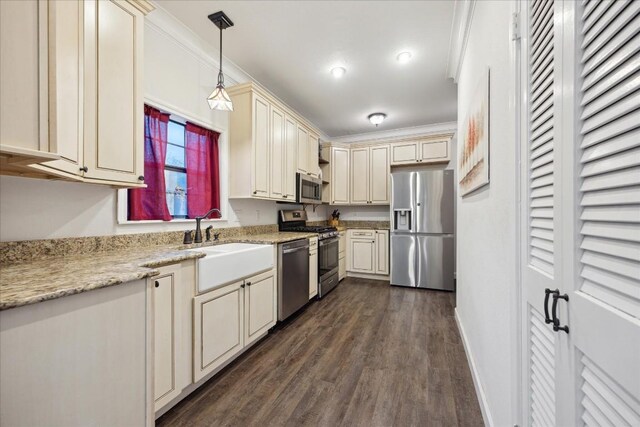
(308, 189)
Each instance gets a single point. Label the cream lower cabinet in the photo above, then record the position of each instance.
(228, 319)
(313, 267)
(342, 255)
(368, 251)
(431, 150)
(260, 306)
(54, 105)
(171, 294)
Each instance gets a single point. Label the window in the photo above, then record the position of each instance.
(175, 170)
(181, 170)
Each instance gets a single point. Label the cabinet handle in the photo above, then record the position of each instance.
(141, 178)
(554, 312)
(242, 286)
(248, 283)
(548, 292)
(157, 284)
(84, 169)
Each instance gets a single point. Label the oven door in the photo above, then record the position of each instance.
(309, 189)
(327, 256)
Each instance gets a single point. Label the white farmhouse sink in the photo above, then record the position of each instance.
(231, 262)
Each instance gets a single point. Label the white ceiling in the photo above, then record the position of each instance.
(290, 46)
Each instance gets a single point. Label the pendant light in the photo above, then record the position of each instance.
(219, 98)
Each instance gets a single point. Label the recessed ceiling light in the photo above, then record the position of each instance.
(338, 72)
(377, 118)
(404, 57)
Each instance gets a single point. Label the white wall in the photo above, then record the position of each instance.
(486, 250)
(179, 75)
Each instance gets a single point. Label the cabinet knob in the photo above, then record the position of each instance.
(157, 284)
(255, 192)
(242, 286)
(248, 283)
(141, 178)
(84, 169)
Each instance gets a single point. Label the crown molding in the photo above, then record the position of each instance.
(460, 28)
(384, 135)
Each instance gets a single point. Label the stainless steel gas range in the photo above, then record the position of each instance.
(296, 220)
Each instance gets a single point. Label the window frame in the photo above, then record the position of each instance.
(178, 116)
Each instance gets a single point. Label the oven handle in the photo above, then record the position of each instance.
(329, 241)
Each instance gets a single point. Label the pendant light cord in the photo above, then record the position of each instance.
(220, 75)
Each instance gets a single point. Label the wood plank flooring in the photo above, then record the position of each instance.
(368, 354)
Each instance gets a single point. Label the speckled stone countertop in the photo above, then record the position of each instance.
(46, 278)
(368, 225)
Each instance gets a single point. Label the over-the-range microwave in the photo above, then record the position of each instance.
(308, 189)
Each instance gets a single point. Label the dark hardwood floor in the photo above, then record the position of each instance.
(367, 354)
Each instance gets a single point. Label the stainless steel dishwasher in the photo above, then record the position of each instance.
(293, 277)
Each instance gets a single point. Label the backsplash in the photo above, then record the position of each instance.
(26, 250)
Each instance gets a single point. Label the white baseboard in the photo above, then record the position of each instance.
(482, 398)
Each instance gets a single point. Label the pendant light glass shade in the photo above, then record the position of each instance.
(219, 98)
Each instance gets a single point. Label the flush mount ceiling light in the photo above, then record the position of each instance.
(338, 72)
(376, 118)
(219, 98)
(404, 57)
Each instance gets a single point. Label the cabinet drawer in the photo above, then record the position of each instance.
(435, 150)
(361, 234)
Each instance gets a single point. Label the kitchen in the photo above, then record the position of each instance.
(250, 219)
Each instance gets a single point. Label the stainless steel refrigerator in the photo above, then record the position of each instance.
(422, 229)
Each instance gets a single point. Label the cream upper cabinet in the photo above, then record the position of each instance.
(277, 169)
(339, 165)
(291, 158)
(303, 150)
(360, 176)
(261, 154)
(431, 150)
(53, 104)
(273, 137)
(114, 104)
(260, 305)
(370, 171)
(312, 155)
(379, 175)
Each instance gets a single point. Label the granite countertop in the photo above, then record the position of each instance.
(54, 277)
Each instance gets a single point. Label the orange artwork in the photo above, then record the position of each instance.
(473, 155)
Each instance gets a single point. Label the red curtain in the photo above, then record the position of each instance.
(203, 170)
(151, 202)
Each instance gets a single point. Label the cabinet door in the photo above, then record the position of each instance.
(260, 305)
(362, 255)
(404, 153)
(434, 151)
(261, 158)
(342, 244)
(303, 156)
(164, 340)
(291, 158)
(113, 115)
(340, 176)
(379, 170)
(218, 328)
(24, 74)
(359, 176)
(312, 155)
(382, 252)
(313, 273)
(277, 163)
(342, 268)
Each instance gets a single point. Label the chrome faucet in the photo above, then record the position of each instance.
(198, 237)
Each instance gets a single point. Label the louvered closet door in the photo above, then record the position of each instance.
(541, 251)
(604, 302)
